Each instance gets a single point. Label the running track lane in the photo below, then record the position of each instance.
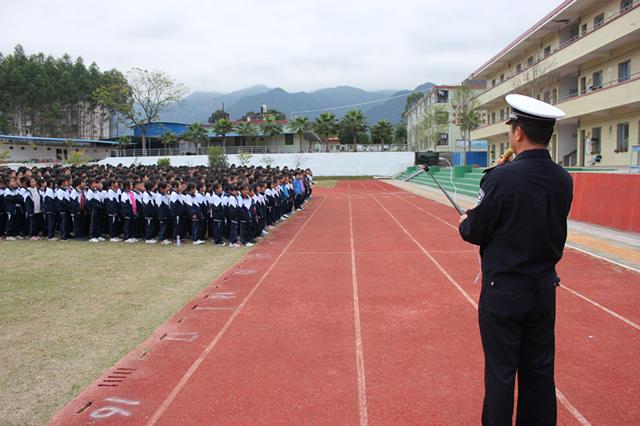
(420, 361)
(596, 363)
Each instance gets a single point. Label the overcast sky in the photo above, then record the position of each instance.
(297, 45)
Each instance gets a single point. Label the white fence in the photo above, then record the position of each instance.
(322, 164)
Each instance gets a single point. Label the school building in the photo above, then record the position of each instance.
(430, 124)
(583, 57)
(22, 149)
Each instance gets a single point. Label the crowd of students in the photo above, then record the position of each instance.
(157, 204)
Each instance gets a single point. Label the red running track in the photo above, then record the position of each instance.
(362, 310)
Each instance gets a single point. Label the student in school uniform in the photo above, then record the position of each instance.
(149, 211)
(193, 208)
(33, 208)
(204, 207)
(233, 217)
(217, 214)
(3, 218)
(162, 202)
(12, 207)
(176, 208)
(112, 208)
(129, 211)
(61, 206)
(245, 217)
(139, 229)
(50, 210)
(95, 208)
(76, 207)
(298, 187)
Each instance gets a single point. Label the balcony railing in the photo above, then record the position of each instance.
(271, 149)
(566, 44)
(575, 94)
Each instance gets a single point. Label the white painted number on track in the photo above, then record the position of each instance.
(111, 410)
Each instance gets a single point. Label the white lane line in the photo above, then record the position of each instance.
(563, 400)
(597, 256)
(362, 388)
(607, 310)
(185, 378)
(562, 286)
(572, 409)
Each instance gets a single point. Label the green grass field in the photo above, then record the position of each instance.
(330, 181)
(70, 310)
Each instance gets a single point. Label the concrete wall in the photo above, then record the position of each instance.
(22, 152)
(322, 164)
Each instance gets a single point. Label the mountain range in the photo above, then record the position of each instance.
(377, 105)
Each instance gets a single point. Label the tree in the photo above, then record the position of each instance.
(168, 138)
(412, 99)
(400, 136)
(217, 157)
(196, 134)
(382, 132)
(78, 158)
(466, 114)
(244, 157)
(325, 126)
(217, 115)
(300, 125)
(141, 97)
(352, 124)
(270, 127)
(246, 130)
(123, 142)
(221, 128)
(431, 125)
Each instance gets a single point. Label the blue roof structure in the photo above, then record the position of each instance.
(45, 140)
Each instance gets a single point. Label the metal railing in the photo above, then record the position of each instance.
(567, 43)
(267, 149)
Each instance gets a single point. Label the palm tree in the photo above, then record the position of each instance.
(197, 134)
(246, 130)
(325, 126)
(221, 128)
(271, 127)
(353, 123)
(300, 125)
(382, 132)
(168, 138)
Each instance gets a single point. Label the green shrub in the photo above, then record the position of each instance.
(164, 161)
(217, 157)
(78, 158)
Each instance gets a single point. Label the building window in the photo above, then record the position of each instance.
(22, 148)
(442, 96)
(583, 30)
(547, 51)
(554, 96)
(10, 147)
(493, 118)
(598, 20)
(288, 139)
(501, 115)
(625, 5)
(443, 139)
(624, 71)
(622, 144)
(597, 80)
(501, 78)
(547, 97)
(493, 83)
(530, 61)
(583, 85)
(48, 149)
(501, 148)
(518, 68)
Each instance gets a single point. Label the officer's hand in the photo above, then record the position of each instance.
(462, 218)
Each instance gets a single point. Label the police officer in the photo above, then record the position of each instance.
(520, 224)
